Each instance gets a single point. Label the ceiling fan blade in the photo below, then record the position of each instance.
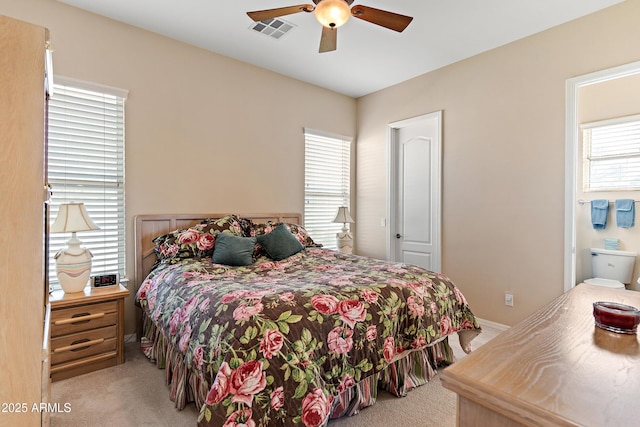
(329, 39)
(261, 15)
(390, 20)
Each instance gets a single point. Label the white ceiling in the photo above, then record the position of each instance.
(368, 57)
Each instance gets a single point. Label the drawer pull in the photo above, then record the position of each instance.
(79, 345)
(78, 318)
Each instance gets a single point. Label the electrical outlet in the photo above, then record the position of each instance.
(508, 299)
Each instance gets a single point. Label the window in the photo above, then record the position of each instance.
(327, 172)
(612, 154)
(86, 164)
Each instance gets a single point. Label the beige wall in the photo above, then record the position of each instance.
(503, 157)
(204, 133)
(193, 116)
(601, 101)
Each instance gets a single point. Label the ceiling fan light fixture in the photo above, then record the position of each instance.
(332, 13)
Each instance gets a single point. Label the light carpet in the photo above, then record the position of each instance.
(135, 394)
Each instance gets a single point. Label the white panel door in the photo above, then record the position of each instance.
(415, 198)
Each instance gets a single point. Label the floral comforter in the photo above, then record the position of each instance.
(274, 342)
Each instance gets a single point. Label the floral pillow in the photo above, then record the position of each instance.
(297, 230)
(244, 223)
(195, 241)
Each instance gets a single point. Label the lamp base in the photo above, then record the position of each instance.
(345, 242)
(73, 268)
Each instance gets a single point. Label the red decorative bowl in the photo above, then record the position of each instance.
(616, 317)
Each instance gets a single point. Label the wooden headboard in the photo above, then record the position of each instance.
(147, 227)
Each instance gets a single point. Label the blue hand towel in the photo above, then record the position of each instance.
(625, 213)
(599, 213)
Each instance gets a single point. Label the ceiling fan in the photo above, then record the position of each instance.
(332, 14)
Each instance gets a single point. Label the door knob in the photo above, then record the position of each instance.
(398, 236)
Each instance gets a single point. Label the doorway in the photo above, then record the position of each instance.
(571, 158)
(414, 200)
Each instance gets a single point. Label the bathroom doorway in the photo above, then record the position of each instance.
(573, 162)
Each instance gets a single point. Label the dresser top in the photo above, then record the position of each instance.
(557, 367)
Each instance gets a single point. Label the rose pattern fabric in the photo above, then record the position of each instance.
(271, 343)
(276, 341)
(199, 240)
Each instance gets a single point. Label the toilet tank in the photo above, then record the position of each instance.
(613, 265)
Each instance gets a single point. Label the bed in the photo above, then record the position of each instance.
(259, 326)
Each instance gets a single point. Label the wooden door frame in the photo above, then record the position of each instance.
(392, 176)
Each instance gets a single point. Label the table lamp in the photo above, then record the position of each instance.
(344, 238)
(73, 264)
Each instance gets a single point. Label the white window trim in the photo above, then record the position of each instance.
(95, 87)
(614, 121)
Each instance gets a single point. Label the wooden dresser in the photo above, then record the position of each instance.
(87, 330)
(554, 368)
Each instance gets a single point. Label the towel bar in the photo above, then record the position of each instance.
(582, 202)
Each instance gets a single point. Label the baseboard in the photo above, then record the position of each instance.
(130, 338)
(494, 325)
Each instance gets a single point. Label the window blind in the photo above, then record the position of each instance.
(327, 184)
(86, 164)
(612, 155)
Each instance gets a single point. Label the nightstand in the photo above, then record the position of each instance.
(87, 330)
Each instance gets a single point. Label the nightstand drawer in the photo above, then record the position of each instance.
(83, 344)
(82, 318)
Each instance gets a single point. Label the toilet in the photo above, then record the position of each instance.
(611, 269)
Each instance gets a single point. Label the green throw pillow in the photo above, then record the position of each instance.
(233, 250)
(280, 243)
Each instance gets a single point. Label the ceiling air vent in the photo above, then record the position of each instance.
(275, 28)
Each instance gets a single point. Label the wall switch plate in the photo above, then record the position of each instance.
(508, 299)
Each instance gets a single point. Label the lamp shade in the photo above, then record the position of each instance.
(72, 217)
(332, 13)
(343, 215)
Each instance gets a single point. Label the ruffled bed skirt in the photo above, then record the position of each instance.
(184, 385)
(401, 376)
